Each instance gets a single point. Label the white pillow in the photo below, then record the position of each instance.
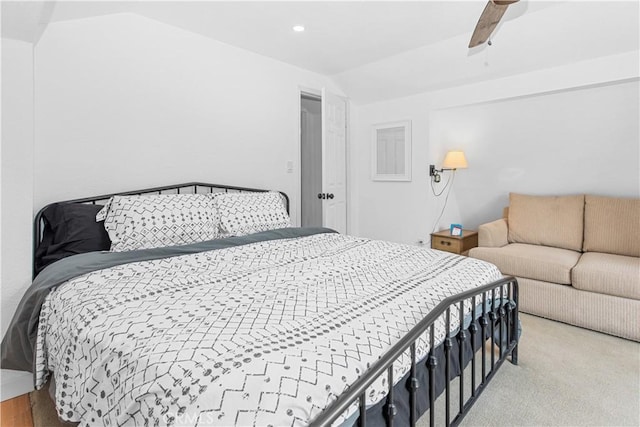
(246, 213)
(142, 222)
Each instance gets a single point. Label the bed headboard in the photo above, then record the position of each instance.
(188, 188)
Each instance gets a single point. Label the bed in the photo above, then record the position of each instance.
(257, 326)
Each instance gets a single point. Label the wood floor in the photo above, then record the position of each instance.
(16, 412)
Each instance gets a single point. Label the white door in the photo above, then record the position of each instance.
(334, 161)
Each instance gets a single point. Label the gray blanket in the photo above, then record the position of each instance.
(19, 342)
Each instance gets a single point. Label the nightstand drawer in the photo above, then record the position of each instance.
(443, 241)
(445, 244)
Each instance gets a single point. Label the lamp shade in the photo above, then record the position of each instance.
(454, 160)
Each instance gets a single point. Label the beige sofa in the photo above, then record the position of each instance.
(577, 259)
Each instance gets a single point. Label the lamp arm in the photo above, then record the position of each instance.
(433, 171)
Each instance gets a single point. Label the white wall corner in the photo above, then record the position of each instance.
(16, 193)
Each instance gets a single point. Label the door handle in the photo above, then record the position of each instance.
(325, 196)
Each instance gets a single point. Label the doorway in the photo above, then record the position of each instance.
(323, 165)
(311, 159)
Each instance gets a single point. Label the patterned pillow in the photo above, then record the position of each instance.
(246, 213)
(142, 222)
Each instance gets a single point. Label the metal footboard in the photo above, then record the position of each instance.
(495, 306)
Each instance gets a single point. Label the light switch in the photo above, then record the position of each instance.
(289, 166)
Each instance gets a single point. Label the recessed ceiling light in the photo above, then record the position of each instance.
(298, 28)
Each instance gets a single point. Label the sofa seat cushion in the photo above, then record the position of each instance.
(531, 261)
(609, 274)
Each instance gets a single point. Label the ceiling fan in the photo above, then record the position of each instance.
(488, 21)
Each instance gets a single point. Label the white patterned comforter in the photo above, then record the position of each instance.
(263, 334)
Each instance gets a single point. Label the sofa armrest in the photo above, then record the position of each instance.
(493, 234)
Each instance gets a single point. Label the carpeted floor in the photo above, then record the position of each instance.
(566, 376)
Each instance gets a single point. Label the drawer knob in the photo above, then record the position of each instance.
(445, 242)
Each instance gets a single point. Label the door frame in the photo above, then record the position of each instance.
(318, 92)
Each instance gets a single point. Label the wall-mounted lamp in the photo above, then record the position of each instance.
(452, 161)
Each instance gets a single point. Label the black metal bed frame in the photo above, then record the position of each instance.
(501, 317)
(167, 189)
(504, 312)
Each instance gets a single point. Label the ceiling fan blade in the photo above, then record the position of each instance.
(488, 21)
(504, 2)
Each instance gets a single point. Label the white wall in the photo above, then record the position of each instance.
(125, 102)
(576, 141)
(16, 190)
(572, 129)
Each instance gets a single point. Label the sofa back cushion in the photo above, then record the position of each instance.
(555, 221)
(612, 225)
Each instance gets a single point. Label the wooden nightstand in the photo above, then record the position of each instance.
(444, 241)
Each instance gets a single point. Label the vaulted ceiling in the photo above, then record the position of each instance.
(338, 36)
(379, 49)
